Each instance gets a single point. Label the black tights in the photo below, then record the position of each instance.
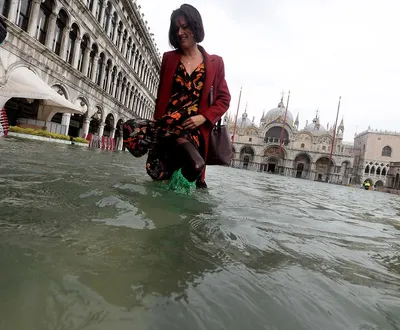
(187, 157)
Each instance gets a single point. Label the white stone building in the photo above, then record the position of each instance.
(305, 151)
(373, 154)
(98, 54)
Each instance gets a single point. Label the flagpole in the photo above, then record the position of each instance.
(334, 131)
(284, 124)
(237, 113)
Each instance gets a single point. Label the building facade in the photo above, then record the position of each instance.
(305, 152)
(98, 54)
(375, 152)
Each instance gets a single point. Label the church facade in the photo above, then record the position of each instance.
(305, 152)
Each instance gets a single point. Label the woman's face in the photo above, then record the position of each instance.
(185, 35)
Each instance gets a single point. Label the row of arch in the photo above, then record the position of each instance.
(249, 150)
(376, 170)
(56, 29)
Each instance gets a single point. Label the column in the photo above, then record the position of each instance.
(105, 86)
(33, 20)
(103, 9)
(50, 31)
(124, 95)
(94, 70)
(131, 101)
(109, 22)
(113, 87)
(85, 127)
(115, 32)
(94, 9)
(64, 43)
(66, 118)
(86, 59)
(12, 13)
(118, 97)
(112, 133)
(101, 129)
(77, 48)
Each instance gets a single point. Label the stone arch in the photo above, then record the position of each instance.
(273, 134)
(21, 64)
(56, 117)
(247, 155)
(46, 9)
(73, 36)
(372, 170)
(323, 167)
(61, 89)
(302, 165)
(370, 181)
(96, 117)
(379, 184)
(384, 171)
(367, 169)
(82, 99)
(109, 124)
(62, 23)
(273, 159)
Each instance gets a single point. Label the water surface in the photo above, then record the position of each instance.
(88, 241)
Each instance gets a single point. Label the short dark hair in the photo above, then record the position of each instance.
(194, 21)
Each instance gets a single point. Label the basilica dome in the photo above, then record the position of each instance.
(244, 121)
(315, 128)
(277, 115)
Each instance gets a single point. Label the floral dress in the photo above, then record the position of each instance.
(157, 137)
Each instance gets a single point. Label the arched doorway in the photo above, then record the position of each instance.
(302, 164)
(109, 125)
(95, 121)
(379, 184)
(272, 165)
(324, 167)
(273, 160)
(246, 156)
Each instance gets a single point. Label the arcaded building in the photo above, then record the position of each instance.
(98, 54)
(305, 150)
(375, 153)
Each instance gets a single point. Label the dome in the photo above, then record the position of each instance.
(244, 123)
(277, 115)
(315, 128)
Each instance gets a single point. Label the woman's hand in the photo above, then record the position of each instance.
(193, 122)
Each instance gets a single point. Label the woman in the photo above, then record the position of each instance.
(178, 136)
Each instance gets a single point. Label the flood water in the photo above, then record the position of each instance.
(88, 241)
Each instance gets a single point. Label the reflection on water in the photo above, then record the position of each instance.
(87, 241)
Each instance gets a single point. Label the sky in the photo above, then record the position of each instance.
(317, 49)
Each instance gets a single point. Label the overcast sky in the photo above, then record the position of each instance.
(317, 49)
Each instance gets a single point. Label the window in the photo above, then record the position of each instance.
(24, 13)
(250, 139)
(302, 145)
(387, 151)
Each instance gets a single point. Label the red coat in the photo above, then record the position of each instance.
(215, 76)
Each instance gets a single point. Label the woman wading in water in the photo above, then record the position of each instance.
(177, 138)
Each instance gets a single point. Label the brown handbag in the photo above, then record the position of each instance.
(219, 145)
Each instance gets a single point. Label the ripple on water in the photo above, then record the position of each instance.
(95, 244)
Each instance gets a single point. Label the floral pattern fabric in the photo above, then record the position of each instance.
(157, 137)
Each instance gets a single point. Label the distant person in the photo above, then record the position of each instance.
(177, 138)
